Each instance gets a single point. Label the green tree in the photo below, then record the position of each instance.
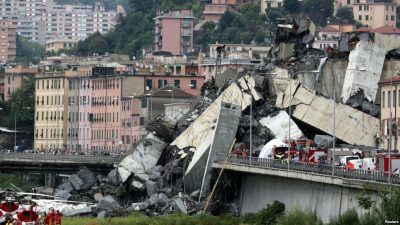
(345, 14)
(22, 104)
(292, 6)
(28, 52)
(390, 206)
(266, 216)
(350, 217)
(273, 14)
(318, 10)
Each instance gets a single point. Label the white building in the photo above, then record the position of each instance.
(41, 20)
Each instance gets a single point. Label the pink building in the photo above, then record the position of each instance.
(174, 32)
(14, 77)
(85, 130)
(214, 11)
(106, 112)
(130, 128)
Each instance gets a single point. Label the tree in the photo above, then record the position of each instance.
(292, 6)
(28, 52)
(273, 14)
(22, 104)
(318, 10)
(345, 14)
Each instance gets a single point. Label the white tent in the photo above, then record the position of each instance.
(266, 151)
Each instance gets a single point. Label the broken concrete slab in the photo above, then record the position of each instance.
(108, 202)
(224, 78)
(144, 157)
(160, 198)
(88, 178)
(75, 181)
(151, 187)
(114, 177)
(353, 126)
(78, 211)
(225, 131)
(137, 184)
(279, 125)
(63, 194)
(66, 186)
(363, 71)
(180, 205)
(202, 128)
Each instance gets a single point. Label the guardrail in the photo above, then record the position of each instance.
(77, 159)
(377, 176)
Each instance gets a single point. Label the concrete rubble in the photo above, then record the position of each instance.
(279, 125)
(170, 170)
(363, 71)
(355, 127)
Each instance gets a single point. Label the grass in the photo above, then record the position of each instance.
(137, 219)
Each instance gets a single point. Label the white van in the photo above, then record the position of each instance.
(347, 158)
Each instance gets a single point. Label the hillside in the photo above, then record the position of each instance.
(135, 32)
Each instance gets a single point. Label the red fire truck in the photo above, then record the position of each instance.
(307, 150)
(382, 162)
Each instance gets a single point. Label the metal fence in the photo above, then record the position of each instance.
(377, 176)
(32, 157)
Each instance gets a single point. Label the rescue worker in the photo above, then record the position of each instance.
(58, 217)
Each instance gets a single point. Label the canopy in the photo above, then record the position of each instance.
(267, 150)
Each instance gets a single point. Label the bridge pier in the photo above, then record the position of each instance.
(325, 199)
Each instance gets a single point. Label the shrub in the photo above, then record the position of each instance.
(266, 216)
(299, 217)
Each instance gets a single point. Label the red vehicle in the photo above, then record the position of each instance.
(307, 150)
(7, 210)
(382, 162)
(27, 217)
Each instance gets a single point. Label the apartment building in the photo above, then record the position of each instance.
(390, 105)
(57, 45)
(51, 110)
(375, 14)
(234, 56)
(42, 20)
(94, 109)
(174, 32)
(267, 4)
(7, 41)
(329, 35)
(214, 11)
(14, 78)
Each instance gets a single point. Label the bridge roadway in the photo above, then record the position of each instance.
(67, 164)
(306, 171)
(306, 186)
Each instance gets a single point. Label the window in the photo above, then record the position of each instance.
(193, 84)
(149, 84)
(389, 99)
(143, 103)
(383, 99)
(359, 17)
(141, 121)
(387, 17)
(177, 83)
(394, 98)
(366, 17)
(162, 83)
(392, 18)
(360, 8)
(348, 2)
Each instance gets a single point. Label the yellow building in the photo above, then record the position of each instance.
(390, 108)
(57, 45)
(375, 14)
(51, 110)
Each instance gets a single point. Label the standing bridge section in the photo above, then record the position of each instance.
(66, 164)
(302, 185)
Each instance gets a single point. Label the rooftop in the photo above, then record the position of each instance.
(393, 79)
(166, 92)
